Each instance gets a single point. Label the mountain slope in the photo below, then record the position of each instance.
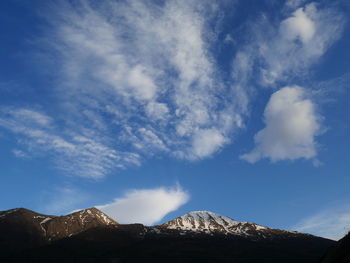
(204, 221)
(72, 224)
(21, 227)
(340, 253)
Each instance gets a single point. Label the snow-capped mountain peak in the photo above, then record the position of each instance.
(206, 221)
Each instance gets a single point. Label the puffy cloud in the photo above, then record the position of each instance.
(298, 26)
(206, 142)
(291, 125)
(146, 206)
(333, 223)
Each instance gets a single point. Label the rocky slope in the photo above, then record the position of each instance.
(72, 224)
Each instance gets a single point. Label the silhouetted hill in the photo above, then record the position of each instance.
(340, 253)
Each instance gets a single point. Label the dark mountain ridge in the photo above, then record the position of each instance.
(340, 253)
(201, 236)
(22, 228)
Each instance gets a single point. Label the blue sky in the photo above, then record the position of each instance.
(151, 109)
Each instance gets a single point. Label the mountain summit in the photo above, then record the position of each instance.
(206, 221)
(71, 224)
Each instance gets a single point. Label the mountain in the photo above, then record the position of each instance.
(201, 236)
(340, 253)
(21, 228)
(63, 226)
(209, 222)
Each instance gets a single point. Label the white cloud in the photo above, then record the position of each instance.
(157, 111)
(30, 117)
(333, 223)
(298, 26)
(294, 3)
(300, 41)
(146, 206)
(206, 142)
(142, 83)
(74, 153)
(144, 77)
(19, 153)
(291, 125)
(152, 65)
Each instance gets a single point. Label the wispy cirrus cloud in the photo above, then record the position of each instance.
(140, 75)
(144, 77)
(148, 71)
(333, 223)
(74, 153)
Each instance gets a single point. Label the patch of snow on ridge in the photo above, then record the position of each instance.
(43, 222)
(88, 214)
(106, 219)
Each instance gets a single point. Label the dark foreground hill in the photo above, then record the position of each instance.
(91, 236)
(340, 253)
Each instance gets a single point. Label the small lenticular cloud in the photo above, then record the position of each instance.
(146, 206)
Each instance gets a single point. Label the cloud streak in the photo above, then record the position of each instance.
(333, 223)
(74, 153)
(146, 206)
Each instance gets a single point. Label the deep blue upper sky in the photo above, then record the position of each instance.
(151, 109)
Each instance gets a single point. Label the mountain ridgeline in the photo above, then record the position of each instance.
(90, 235)
(340, 253)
